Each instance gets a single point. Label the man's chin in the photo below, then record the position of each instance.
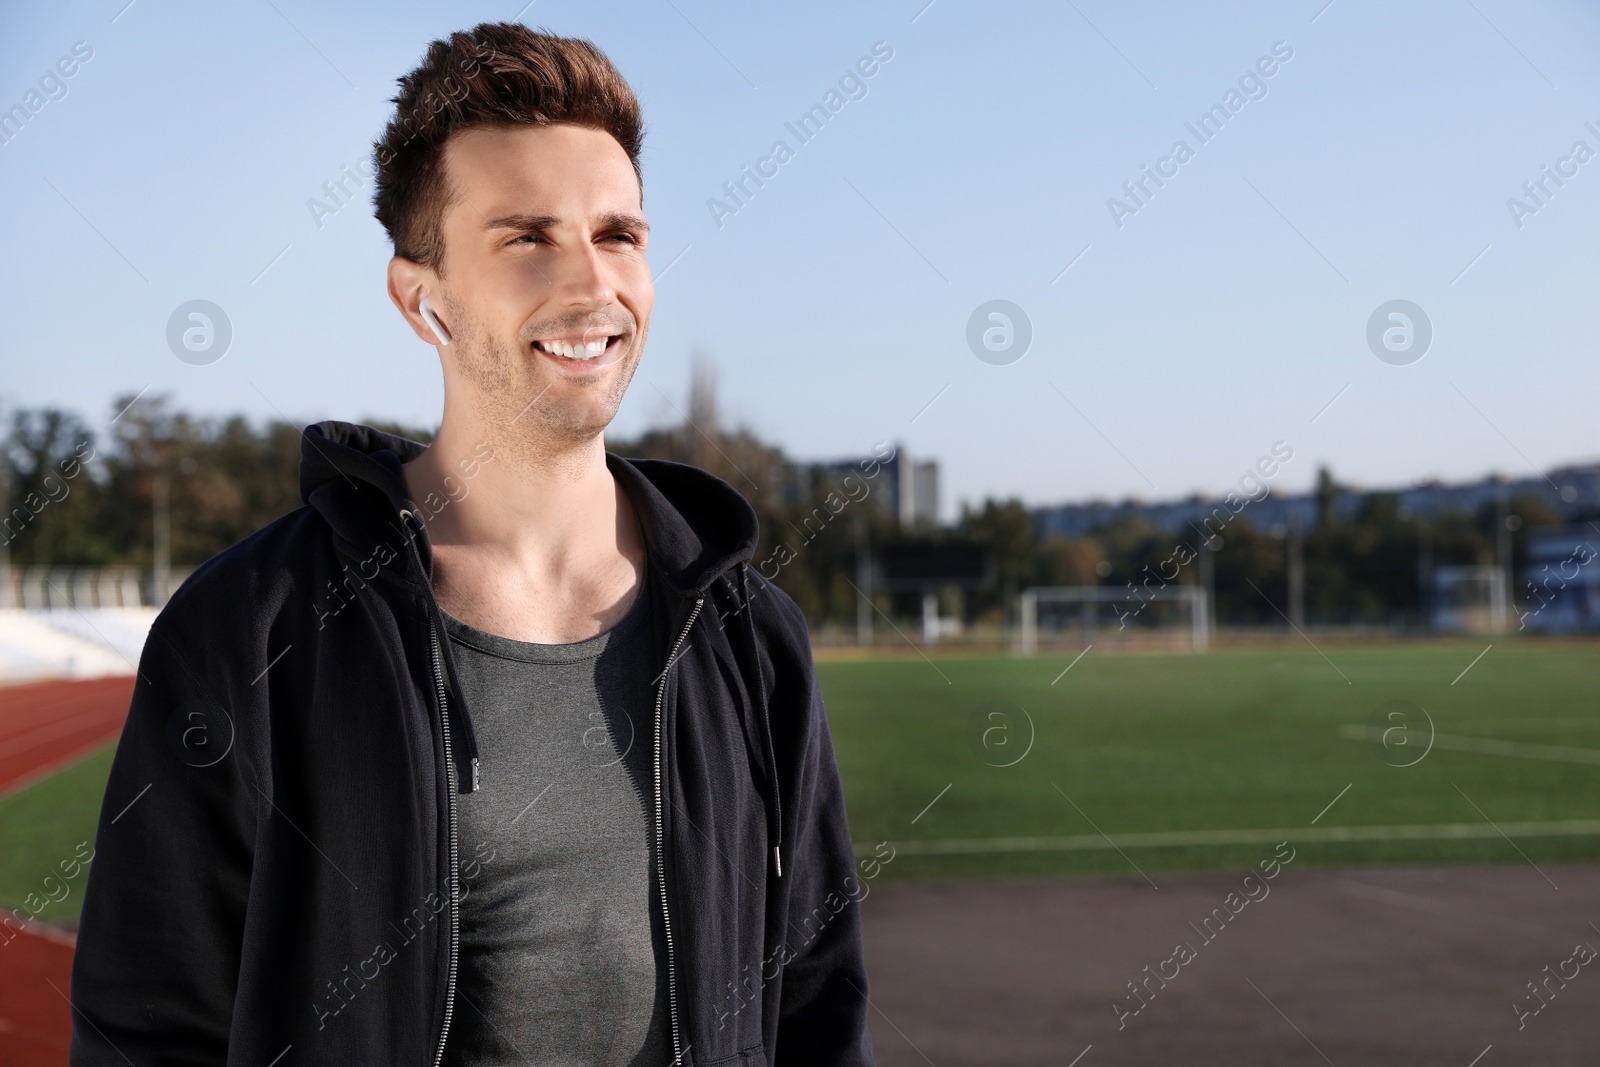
(560, 415)
(549, 401)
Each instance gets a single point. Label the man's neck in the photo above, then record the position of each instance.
(537, 543)
(525, 502)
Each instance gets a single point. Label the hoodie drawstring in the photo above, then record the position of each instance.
(774, 801)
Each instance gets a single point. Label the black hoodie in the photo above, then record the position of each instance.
(277, 873)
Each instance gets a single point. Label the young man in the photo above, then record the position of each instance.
(496, 751)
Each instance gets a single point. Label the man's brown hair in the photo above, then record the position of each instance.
(498, 74)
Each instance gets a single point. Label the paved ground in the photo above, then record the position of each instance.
(1367, 967)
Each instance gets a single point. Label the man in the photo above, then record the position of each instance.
(496, 751)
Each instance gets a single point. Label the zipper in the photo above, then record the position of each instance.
(450, 777)
(409, 517)
(661, 851)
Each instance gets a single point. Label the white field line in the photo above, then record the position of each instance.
(1484, 746)
(1456, 831)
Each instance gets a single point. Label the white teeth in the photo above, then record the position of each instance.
(579, 351)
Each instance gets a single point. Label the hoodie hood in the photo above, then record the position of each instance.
(696, 525)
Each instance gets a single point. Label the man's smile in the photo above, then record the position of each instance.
(579, 348)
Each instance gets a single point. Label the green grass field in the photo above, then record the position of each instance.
(41, 826)
(1232, 740)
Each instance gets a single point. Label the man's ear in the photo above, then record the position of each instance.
(410, 284)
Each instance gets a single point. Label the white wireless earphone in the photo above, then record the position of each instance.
(433, 323)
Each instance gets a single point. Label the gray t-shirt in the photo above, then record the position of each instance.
(560, 930)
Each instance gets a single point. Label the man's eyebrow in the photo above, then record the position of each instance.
(618, 220)
(614, 220)
(522, 221)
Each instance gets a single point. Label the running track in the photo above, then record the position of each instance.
(43, 727)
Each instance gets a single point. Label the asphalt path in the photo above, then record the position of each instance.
(1370, 966)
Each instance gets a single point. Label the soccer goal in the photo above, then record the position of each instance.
(1082, 607)
(1470, 599)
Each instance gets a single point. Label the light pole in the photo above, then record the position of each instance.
(1425, 573)
(1297, 573)
(161, 515)
(863, 587)
(1499, 619)
(5, 538)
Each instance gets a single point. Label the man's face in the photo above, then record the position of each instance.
(544, 265)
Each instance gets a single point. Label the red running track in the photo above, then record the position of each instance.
(46, 725)
(43, 727)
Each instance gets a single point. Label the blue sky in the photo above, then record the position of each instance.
(1221, 317)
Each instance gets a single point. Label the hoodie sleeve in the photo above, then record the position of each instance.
(823, 1007)
(157, 960)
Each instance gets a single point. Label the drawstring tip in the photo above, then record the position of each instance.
(474, 774)
(777, 860)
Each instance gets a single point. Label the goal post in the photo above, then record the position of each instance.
(1089, 597)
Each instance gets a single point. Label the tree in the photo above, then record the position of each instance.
(52, 498)
(1005, 529)
(1327, 493)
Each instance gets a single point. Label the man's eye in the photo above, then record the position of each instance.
(626, 238)
(528, 237)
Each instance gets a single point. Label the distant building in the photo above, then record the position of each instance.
(1570, 492)
(911, 488)
(1079, 520)
(1560, 587)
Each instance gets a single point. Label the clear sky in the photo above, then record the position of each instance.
(1221, 314)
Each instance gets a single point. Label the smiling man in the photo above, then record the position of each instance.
(496, 751)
